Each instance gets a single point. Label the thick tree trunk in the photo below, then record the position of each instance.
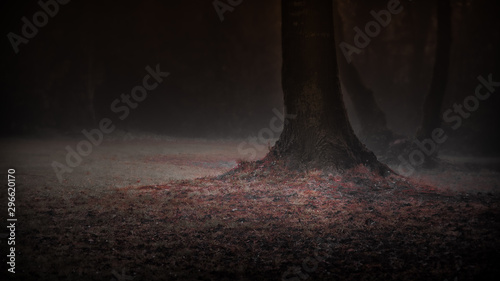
(433, 101)
(319, 135)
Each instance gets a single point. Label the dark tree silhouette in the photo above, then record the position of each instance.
(371, 117)
(319, 135)
(420, 21)
(433, 101)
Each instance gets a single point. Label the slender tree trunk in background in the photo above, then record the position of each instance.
(372, 118)
(91, 85)
(434, 99)
(420, 21)
(319, 135)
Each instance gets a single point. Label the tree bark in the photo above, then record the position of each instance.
(319, 135)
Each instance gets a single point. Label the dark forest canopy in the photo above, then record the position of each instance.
(225, 75)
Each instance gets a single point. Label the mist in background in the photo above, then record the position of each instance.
(224, 77)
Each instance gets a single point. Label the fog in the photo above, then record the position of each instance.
(225, 69)
(137, 134)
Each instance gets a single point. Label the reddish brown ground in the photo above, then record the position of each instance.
(263, 224)
(125, 213)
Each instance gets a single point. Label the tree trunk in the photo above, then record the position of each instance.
(433, 101)
(372, 118)
(420, 26)
(319, 135)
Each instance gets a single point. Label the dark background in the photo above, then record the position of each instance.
(225, 76)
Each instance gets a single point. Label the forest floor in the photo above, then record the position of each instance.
(138, 210)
